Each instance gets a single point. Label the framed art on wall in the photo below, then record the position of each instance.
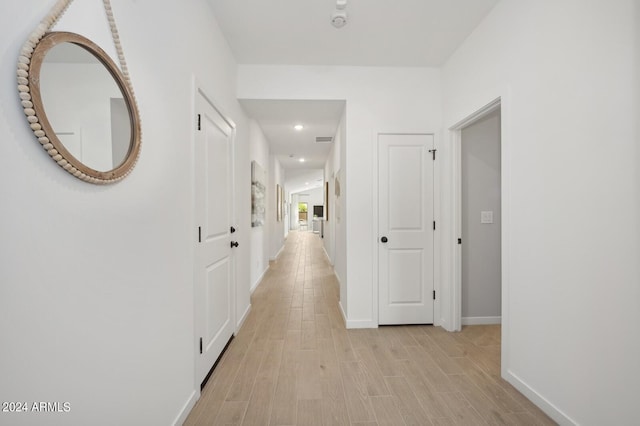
(258, 190)
(278, 203)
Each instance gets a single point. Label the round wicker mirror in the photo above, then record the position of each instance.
(81, 109)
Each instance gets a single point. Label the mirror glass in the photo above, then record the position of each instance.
(85, 107)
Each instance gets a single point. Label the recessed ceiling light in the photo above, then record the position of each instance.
(301, 160)
(306, 183)
(298, 127)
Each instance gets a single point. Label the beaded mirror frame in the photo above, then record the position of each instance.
(29, 64)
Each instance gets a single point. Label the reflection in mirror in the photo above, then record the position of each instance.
(85, 107)
(80, 106)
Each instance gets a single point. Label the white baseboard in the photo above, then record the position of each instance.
(481, 320)
(243, 318)
(356, 323)
(551, 410)
(344, 316)
(274, 258)
(327, 254)
(186, 408)
(444, 324)
(258, 281)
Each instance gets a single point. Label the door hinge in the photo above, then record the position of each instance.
(199, 234)
(201, 345)
(433, 152)
(434, 225)
(199, 126)
(434, 297)
(459, 240)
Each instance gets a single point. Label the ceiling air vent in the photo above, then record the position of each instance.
(324, 139)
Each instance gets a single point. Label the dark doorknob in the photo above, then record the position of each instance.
(234, 244)
(233, 229)
(384, 239)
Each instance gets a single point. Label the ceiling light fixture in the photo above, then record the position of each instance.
(298, 127)
(339, 16)
(301, 160)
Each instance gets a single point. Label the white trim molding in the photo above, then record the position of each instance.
(186, 408)
(274, 258)
(258, 281)
(242, 319)
(481, 320)
(551, 410)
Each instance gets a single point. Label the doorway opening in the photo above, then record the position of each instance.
(303, 210)
(478, 184)
(480, 221)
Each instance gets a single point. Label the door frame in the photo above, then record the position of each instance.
(456, 156)
(375, 184)
(452, 313)
(198, 89)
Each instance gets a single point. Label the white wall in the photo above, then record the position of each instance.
(313, 197)
(96, 282)
(293, 212)
(567, 72)
(330, 167)
(329, 241)
(259, 152)
(335, 243)
(481, 268)
(277, 228)
(377, 100)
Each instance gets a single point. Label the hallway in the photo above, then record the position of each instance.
(294, 363)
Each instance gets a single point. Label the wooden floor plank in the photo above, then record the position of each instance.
(232, 413)
(463, 413)
(412, 412)
(386, 411)
(355, 389)
(309, 412)
(261, 402)
(374, 380)
(308, 375)
(334, 407)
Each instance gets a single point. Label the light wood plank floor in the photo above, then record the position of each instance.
(294, 363)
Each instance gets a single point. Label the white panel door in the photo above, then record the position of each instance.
(406, 229)
(214, 278)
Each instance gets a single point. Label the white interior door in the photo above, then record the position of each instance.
(406, 229)
(214, 278)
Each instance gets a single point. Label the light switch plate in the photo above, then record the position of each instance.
(486, 217)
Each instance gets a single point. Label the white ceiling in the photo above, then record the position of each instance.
(378, 32)
(298, 32)
(277, 118)
(301, 180)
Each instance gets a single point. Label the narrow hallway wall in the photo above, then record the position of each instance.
(96, 282)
